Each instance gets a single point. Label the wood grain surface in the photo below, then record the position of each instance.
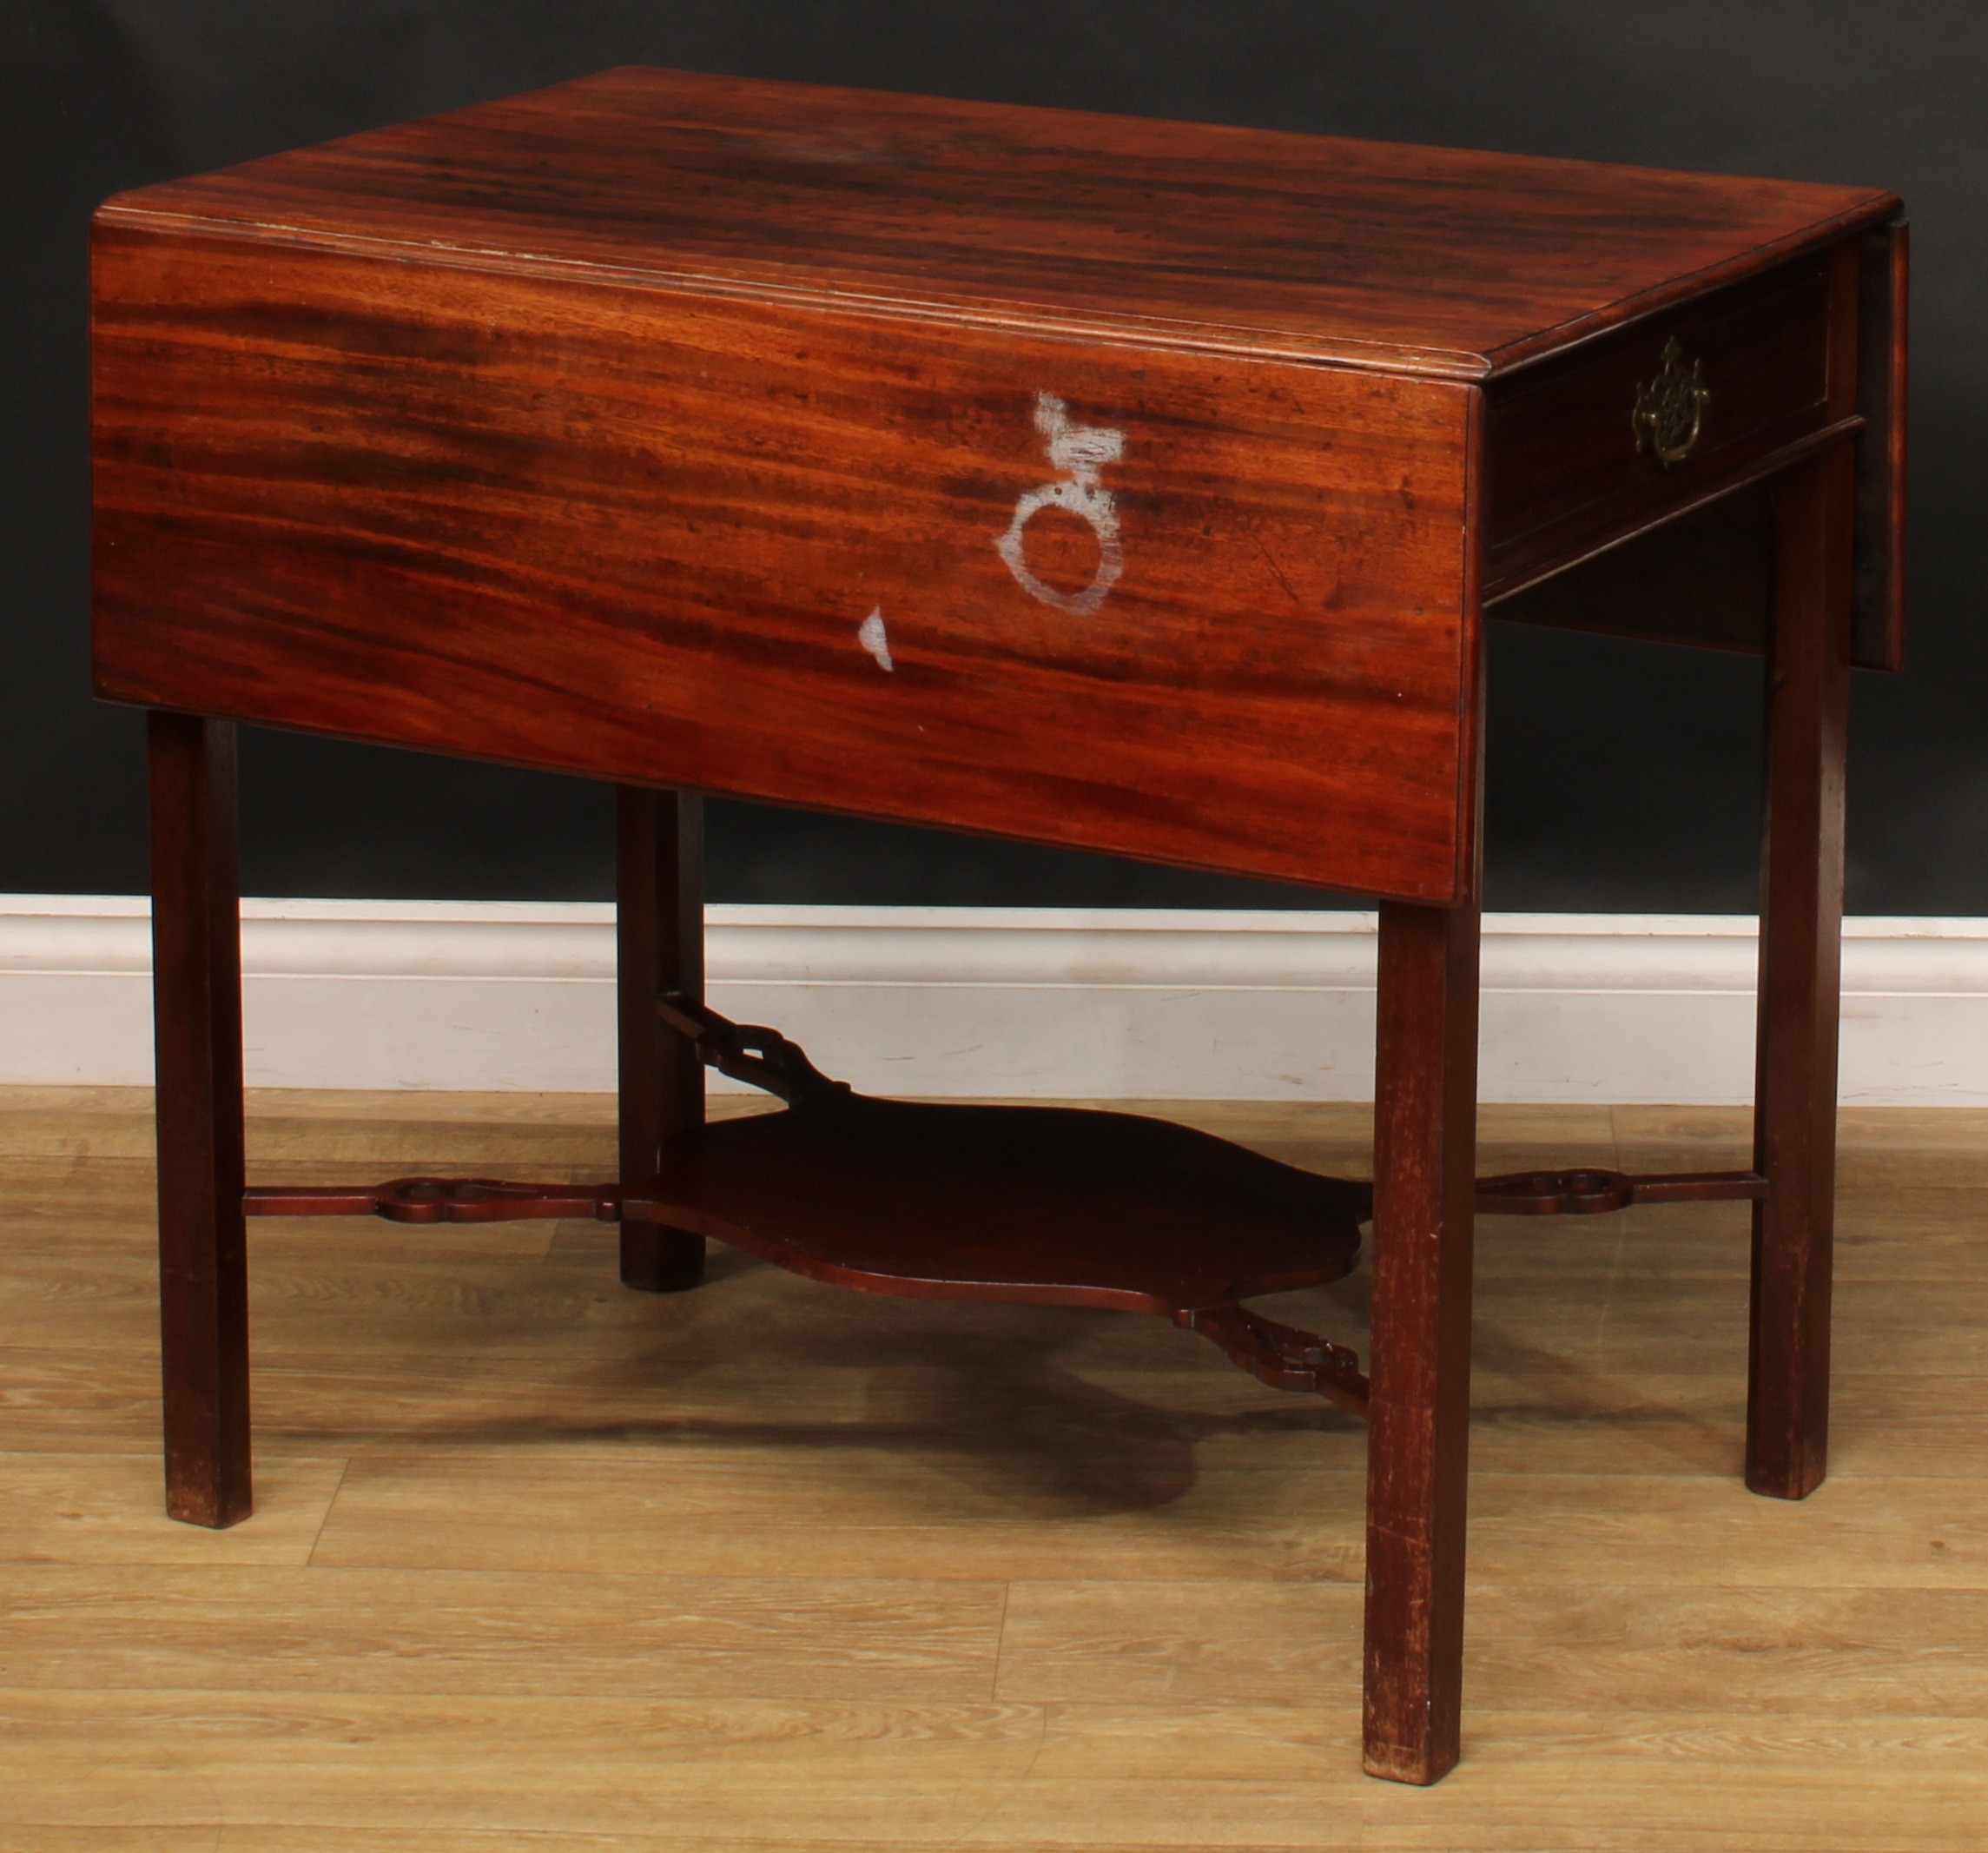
(1042, 1206)
(1878, 630)
(1567, 472)
(196, 953)
(1073, 478)
(1425, 1093)
(659, 947)
(644, 535)
(1799, 1003)
(1440, 259)
(540, 1566)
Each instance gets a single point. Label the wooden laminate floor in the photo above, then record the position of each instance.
(540, 1564)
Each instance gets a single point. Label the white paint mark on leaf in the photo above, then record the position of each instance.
(870, 635)
(1081, 450)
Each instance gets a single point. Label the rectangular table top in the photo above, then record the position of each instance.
(1429, 260)
(1126, 485)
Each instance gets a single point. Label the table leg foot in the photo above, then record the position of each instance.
(655, 1260)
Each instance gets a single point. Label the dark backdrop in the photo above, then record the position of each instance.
(1621, 776)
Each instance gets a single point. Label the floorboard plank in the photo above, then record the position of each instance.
(542, 1566)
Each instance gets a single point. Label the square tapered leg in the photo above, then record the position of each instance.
(196, 988)
(659, 941)
(1802, 914)
(1418, 1446)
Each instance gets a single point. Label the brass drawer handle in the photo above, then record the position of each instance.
(1671, 407)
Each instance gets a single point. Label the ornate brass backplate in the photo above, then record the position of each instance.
(1670, 409)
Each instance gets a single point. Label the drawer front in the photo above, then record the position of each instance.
(1726, 380)
(1206, 611)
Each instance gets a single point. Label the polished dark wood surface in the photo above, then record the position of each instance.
(1705, 579)
(659, 390)
(1878, 593)
(638, 535)
(1689, 556)
(1042, 1206)
(1565, 476)
(1443, 260)
(203, 1263)
(1425, 1091)
(659, 947)
(1801, 912)
(1586, 1191)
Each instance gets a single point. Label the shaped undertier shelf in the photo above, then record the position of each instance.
(1048, 1205)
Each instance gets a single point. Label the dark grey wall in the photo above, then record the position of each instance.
(1619, 776)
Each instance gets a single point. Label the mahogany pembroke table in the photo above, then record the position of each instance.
(1123, 485)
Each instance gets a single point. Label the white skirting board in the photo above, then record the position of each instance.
(1046, 1001)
